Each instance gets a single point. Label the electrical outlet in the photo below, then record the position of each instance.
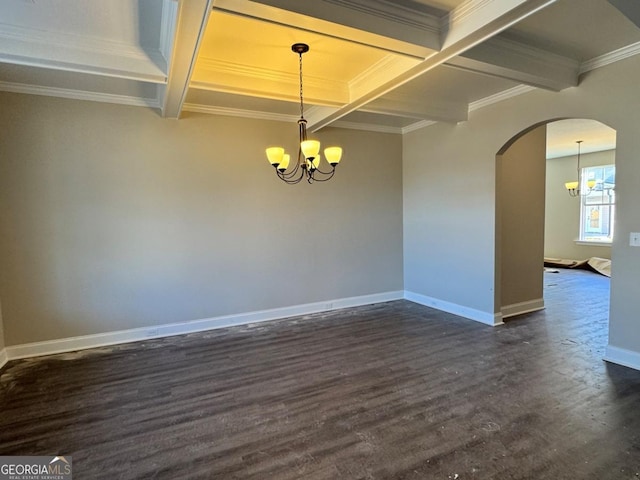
(152, 332)
(634, 239)
(329, 306)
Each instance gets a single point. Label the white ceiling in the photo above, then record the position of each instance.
(380, 65)
(562, 136)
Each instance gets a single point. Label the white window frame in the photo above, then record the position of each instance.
(604, 209)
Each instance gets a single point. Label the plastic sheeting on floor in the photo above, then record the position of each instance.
(596, 264)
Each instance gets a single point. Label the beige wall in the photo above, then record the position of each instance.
(114, 218)
(562, 221)
(449, 193)
(520, 185)
(448, 223)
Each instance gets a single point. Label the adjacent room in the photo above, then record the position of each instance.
(280, 240)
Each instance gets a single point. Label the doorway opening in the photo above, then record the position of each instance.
(538, 218)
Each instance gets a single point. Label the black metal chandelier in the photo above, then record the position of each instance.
(308, 164)
(579, 187)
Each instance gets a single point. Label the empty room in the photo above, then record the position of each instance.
(307, 240)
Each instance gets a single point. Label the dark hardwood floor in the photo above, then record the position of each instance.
(388, 391)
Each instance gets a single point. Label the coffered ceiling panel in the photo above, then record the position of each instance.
(451, 84)
(376, 122)
(260, 62)
(380, 65)
(580, 29)
(121, 21)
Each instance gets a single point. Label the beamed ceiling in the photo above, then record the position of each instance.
(380, 65)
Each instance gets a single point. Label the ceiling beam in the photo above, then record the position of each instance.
(191, 21)
(468, 25)
(522, 63)
(377, 23)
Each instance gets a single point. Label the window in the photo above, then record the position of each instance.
(598, 206)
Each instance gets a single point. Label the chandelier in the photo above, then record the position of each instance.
(574, 188)
(308, 164)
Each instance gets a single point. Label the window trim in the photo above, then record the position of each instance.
(594, 243)
(583, 205)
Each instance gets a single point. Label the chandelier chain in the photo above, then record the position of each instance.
(301, 99)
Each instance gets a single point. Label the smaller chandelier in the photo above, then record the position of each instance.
(308, 164)
(573, 188)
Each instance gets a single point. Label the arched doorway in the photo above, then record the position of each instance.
(528, 228)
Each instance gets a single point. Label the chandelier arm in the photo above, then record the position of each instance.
(290, 180)
(329, 177)
(291, 173)
(297, 174)
(326, 173)
(298, 164)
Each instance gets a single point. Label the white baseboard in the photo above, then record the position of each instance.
(466, 312)
(522, 307)
(4, 358)
(157, 331)
(622, 356)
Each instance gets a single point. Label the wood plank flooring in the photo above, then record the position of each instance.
(388, 391)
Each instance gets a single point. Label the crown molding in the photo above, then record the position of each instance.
(263, 92)
(210, 66)
(380, 24)
(500, 96)
(478, 104)
(609, 58)
(418, 126)
(404, 105)
(383, 64)
(368, 127)
(463, 11)
(238, 112)
(78, 94)
(389, 10)
(280, 117)
(236, 78)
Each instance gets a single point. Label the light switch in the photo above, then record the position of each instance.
(634, 239)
